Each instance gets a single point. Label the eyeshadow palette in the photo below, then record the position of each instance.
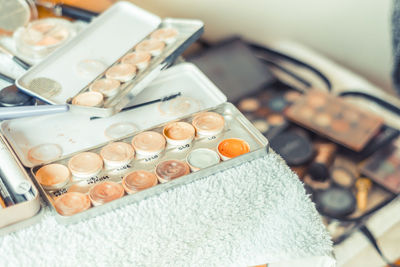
(107, 64)
(335, 119)
(265, 108)
(148, 162)
(383, 167)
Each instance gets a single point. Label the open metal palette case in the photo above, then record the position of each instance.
(55, 139)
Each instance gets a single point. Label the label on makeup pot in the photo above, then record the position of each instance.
(152, 158)
(60, 192)
(184, 147)
(96, 179)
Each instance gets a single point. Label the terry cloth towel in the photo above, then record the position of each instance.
(254, 213)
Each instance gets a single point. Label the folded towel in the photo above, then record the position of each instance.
(256, 212)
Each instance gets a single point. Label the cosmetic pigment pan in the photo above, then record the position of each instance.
(111, 36)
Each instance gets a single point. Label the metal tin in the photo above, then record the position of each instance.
(236, 125)
(60, 65)
(23, 210)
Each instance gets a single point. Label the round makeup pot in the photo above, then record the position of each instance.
(116, 155)
(12, 97)
(88, 99)
(139, 59)
(148, 144)
(72, 203)
(294, 148)
(138, 180)
(53, 176)
(41, 37)
(85, 165)
(105, 192)
(167, 35)
(208, 124)
(202, 158)
(121, 72)
(232, 147)
(107, 87)
(152, 46)
(179, 133)
(335, 202)
(171, 169)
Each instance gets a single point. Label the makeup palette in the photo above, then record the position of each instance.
(335, 119)
(265, 108)
(383, 167)
(129, 45)
(147, 162)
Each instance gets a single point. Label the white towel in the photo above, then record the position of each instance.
(254, 213)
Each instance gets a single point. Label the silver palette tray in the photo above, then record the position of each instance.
(236, 125)
(107, 39)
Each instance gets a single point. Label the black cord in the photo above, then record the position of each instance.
(375, 99)
(367, 233)
(283, 69)
(282, 56)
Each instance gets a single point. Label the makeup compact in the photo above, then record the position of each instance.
(130, 45)
(335, 119)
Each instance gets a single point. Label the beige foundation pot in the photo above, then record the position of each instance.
(138, 180)
(72, 203)
(139, 59)
(89, 99)
(152, 46)
(53, 176)
(208, 124)
(121, 72)
(179, 133)
(148, 144)
(105, 192)
(116, 155)
(171, 169)
(105, 86)
(85, 165)
(166, 35)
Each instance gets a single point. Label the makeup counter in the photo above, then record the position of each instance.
(130, 127)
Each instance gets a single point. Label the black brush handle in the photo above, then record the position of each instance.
(20, 62)
(6, 78)
(75, 12)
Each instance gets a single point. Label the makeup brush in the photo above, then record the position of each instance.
(14, 58)
(68, 11)
(162, 99)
